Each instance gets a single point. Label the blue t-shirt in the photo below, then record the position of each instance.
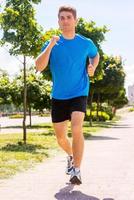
(68, 66)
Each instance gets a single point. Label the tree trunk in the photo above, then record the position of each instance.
(91, 100)
(114, 110)
(30, 117)
(98, 102)
(24, 102)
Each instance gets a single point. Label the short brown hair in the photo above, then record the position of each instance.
(68, 9)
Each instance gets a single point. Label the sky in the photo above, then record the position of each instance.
(118, 16)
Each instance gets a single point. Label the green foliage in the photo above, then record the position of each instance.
(48, 34)
(38, 90)
(16, 116)
(103, 108)
(120, 99)
(15, 156)
(90, 30)
(114, 74)
(113, 78)
(111, 88)
(5, 97)
(103, 116)
(16, 91)
(20, 29)
(108, 110)
(131, 110)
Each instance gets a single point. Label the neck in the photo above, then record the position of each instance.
(68, 34)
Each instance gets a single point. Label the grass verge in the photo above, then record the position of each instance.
(15, 156)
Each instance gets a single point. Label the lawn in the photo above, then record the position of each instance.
(16, 156)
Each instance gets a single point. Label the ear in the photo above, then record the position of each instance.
(58, 22)
(76, 21)
(59, 25)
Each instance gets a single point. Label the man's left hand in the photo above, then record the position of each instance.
(90, 70)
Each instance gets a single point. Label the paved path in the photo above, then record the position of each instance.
(7, 122)
(107, 171)
(7, 125)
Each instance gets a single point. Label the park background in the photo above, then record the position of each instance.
(118, 16)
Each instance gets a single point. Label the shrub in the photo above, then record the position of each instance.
(107, 109)
(16, 116)
(131, 109)
(44, 114)
(103, 116)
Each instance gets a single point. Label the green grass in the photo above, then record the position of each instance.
(16, 116)
(131, 109)
(15, 156)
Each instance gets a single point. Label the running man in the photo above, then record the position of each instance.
(67, 55)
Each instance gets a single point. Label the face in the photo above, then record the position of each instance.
(67, 22)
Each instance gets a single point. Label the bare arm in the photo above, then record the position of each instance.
(42, 60)
(93, 64)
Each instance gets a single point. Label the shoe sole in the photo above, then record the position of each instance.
(74, 180)
(69, 172)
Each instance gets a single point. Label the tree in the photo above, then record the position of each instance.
(22, 32)
(5, 97)
(38, 91)
(17, 91)
(110, 88)
(119, 100)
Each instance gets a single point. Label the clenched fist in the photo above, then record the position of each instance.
(90, 70)
(54, 40)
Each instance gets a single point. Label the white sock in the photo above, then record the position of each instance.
(77, 169)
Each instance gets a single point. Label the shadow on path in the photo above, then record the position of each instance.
(67, 193)
(122, 126)
(102, 138)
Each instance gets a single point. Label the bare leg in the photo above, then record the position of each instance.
(77, 119)
(60, 129)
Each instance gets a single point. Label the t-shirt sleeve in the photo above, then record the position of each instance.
(92, 49)
(45, 46)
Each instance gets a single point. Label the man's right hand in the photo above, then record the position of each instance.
(43, 59)
(54, 40)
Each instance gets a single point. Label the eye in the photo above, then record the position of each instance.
(61, 18)
(69, 17)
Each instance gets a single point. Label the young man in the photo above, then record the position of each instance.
(67, 55)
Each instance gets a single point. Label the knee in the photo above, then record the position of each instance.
(61, 140)
(76, 129)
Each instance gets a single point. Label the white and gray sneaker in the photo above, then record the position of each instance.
(76, 177)
(69, 168)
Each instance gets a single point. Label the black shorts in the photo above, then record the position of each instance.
(62, 109)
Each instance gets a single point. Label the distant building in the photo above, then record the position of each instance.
(131, 94)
